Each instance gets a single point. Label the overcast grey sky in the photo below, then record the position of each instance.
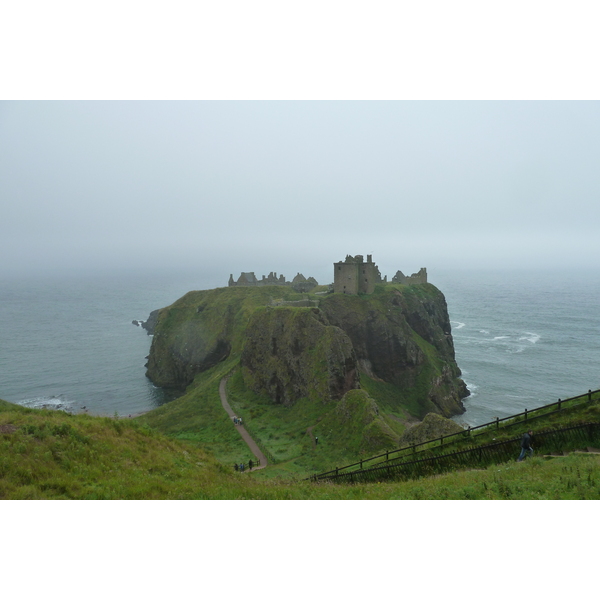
(294, 186)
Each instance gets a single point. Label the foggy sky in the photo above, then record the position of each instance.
(294, 186)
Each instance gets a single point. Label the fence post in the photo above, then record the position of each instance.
(336, 471)
(497, 422)
(589, 395)
(361, 463)
(387, 455)
(526, 414)
(469, 430)
(559, 404)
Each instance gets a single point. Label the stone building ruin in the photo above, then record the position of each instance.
(355, 276)
(420, 277)
(298, 284)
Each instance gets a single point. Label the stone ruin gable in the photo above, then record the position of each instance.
(298, 284)
(355, 276)
(415, 278)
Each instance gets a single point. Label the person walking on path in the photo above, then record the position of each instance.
(526, 446)
(260, 457)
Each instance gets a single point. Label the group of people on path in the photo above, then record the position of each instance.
(242, 467)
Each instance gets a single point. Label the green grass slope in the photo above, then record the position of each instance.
(53, 455)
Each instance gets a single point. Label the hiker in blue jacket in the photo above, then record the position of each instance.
(526, 446)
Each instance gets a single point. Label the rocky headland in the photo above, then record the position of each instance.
(399, 336)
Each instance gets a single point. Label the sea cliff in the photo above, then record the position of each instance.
(399, 336)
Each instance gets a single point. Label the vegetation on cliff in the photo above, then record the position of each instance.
(399, 334)
(353, 371)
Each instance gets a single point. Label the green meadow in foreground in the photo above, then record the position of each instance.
(53, 455)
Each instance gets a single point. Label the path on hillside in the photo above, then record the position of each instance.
(245, 435)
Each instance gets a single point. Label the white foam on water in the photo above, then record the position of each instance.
(530, 337)
(484, 331)
(471, 387)
(500, 337)
(50, 402)
(457, 324)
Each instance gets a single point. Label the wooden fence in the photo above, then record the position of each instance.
(414, 449)
(547, 441)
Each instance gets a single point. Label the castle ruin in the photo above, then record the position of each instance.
(355, 276)
(298, 284)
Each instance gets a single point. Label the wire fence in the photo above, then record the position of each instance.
(547, 441)
(470, 432)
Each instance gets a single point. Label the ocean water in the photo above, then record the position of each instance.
(522, 339)
(69, 342)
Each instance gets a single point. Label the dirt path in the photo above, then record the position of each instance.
(245, 435)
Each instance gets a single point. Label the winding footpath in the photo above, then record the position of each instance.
(245, 435)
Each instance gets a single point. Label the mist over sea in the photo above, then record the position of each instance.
(522, 338)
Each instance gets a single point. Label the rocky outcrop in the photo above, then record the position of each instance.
(150, 323)
(293, 353)
(400, 336)
(404, 339)
(431, 427)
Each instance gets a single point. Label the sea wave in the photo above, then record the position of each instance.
(530, 337)
(50, 402)
(471, 387)
(457, 325)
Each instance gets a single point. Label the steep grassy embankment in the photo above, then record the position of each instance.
(53, 455)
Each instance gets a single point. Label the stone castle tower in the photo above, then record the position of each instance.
(354, 276)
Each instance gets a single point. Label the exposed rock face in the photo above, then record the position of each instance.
(398, 336)
(150, 323)
(382, 328)
(293, 353)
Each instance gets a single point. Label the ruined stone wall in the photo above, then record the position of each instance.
(299, 283)
(415, 278)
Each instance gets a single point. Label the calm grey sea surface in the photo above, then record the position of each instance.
(522, 339)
